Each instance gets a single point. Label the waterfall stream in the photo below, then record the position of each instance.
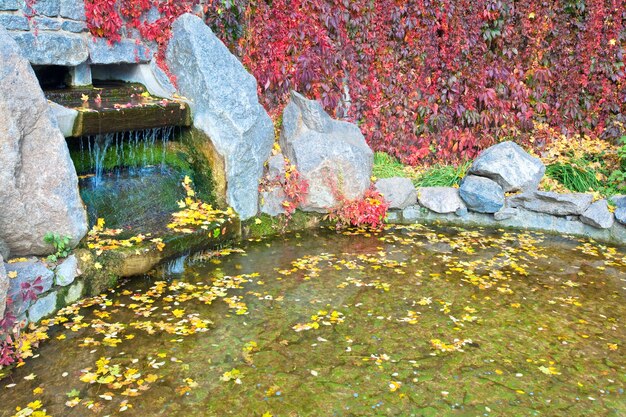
(132, 150)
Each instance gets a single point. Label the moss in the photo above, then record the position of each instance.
(61, 294)
(134, 156)
(265, 225)
(208, 167)
(104, 271)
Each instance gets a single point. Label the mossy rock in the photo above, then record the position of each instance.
(103, 271)
(264, 225)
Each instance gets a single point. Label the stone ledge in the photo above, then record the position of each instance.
(524, 220)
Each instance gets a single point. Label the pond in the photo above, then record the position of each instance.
(414, 321)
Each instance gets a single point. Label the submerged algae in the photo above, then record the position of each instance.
(414, 321)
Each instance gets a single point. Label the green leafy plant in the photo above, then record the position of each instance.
(61, 245)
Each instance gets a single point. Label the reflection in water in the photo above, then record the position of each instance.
(412, 322)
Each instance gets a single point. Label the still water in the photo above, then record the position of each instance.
(414, 321)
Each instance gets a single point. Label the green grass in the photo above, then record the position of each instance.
(442, 176)
(386, 166)
(574, 178)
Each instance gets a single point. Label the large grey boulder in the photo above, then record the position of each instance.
(5, 252)
(568, 204)
(4, 287)
(440, 199)
(225, 106)
(598, 215)
(331, 155)
(510, 166)
(481, 194)
(398, 192)
(39, 191)
(52, 48)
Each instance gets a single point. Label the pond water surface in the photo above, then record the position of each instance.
(414, 321)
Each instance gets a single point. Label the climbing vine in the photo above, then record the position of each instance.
(439, 79)
(108, 19)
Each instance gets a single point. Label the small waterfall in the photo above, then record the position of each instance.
(173, 267)
(135, 149)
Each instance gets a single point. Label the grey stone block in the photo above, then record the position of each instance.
(50, 8)
(43, 307)
(75, 292)
(46, 23)
(52, 48)
(74, 27)
(14, 22)
(126, 51)
(67, 272)
(398, 192)
(481, 194)
(598, 215)
(331, 155)
(73, 9)
(7, 5)
(27, 274)
(440, 199)
(41, 200)
(548, 202)
(80, 75)
(505, 213)
(510, 166)
(411, 213)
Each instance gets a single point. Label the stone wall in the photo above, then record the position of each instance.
(54, 32)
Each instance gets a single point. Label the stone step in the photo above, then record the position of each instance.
(118, 107)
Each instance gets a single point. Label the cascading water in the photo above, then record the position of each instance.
(111, 152)
(131, 179)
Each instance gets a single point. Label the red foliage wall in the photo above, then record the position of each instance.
(109, 18)
(439, 78)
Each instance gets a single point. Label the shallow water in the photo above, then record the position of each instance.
(412, 322)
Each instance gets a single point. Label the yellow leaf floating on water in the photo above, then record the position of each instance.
(234, 375)
(12, 274)
(394, 386)
(549, 370)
